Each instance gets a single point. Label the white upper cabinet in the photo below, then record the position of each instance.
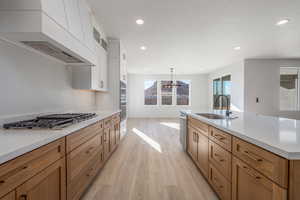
(62, 26)
(95, 78)
(56, 10)
(86, 21)
(123, 65)
(73, 17)
(103, 67)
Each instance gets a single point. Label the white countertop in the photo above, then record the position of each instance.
(278, 135)
(14, 143)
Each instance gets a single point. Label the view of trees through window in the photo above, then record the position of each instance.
(156, 94)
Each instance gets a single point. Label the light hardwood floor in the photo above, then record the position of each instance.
(150, 165)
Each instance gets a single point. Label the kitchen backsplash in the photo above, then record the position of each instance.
(32, 83)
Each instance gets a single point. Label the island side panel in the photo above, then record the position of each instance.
(294, 180)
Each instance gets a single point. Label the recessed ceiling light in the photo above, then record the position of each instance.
(143, 48)
(237, 48)
(282, 22)
(139, 22)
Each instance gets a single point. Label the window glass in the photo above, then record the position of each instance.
(150, 90)
(289, 88)
(183, 92)
(166, 94)
(221, 86)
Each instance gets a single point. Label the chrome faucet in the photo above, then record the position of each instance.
(228, 112)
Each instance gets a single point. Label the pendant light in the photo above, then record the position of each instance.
(172, 83)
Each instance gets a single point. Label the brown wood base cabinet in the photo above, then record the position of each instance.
(238, 170)
(198, 149)
(248, 184)
(10, 196)
(62, 169)
(47, 185)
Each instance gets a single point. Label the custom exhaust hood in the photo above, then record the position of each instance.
(35, 25)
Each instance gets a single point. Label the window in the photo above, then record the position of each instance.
(183, 93)
(289, 88)
(166, 94)
(150, 90)
(221, 86)
(156, 94)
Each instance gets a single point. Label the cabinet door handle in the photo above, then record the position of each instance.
(89, 150)
(23, 197)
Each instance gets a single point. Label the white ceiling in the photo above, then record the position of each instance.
(198, 36)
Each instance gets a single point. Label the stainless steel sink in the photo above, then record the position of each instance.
(211, 115)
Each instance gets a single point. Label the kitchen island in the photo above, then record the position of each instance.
(248, 157)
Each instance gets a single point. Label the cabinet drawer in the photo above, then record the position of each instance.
(107, 122)
(79, 184)
(200, 126)
(269, 164)
(249, 184)
(49, 184)
(221, 138)
(221, 159)
(17, 171)
(79, 137)
(78, 159)
(219, 183)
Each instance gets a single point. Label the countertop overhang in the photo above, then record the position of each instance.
(280, 136)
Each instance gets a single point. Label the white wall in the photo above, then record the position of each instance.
(199, 96)
(236, 71)
(31, 83)
(262, 80)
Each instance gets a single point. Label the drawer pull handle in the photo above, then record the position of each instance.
(258, 177)
(219, 137)
(24, 167)
(2, 181)
(253, 157)
(221, 160)
(23, 197)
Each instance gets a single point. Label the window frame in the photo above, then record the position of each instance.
(174, 94)
(298, 88)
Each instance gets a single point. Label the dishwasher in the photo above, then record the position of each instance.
(183, 129)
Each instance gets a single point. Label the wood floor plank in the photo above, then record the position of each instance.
(150, 165)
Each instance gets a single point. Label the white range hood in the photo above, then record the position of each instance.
(45, 26)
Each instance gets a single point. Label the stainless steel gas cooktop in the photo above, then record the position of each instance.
(53, 121)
